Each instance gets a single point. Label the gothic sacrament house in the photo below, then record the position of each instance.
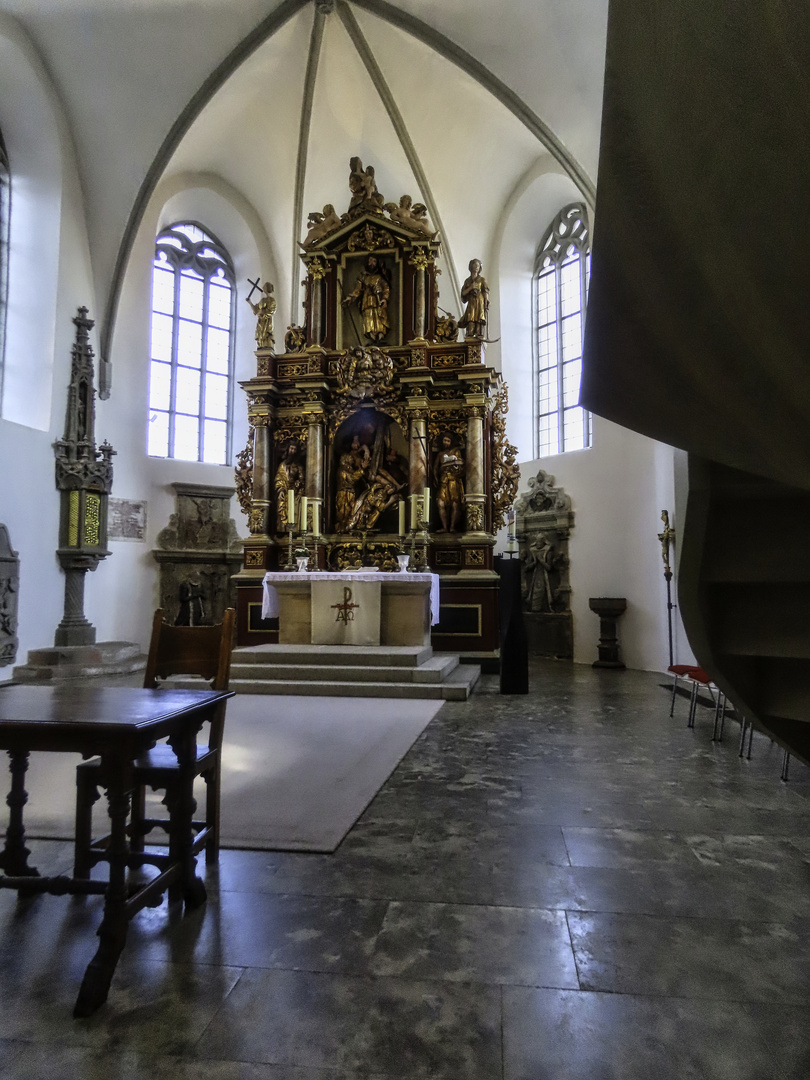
(380, 420)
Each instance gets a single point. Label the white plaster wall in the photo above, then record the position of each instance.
(619, 487)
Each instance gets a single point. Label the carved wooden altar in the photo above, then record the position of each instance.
(374, 400)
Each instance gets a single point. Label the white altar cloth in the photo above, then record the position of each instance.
(270, 605)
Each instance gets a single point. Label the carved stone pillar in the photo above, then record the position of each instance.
(317, 272)
(420, 260)
(475, 493)
(418, 452)
(262, 478)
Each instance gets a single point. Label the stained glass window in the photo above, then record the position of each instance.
(191, 366)
(561, 274)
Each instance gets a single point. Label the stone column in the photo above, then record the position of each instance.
(262, 478)
(314, 477)
(474, 489)
(418, 453)
(419, 260)
(317, 272)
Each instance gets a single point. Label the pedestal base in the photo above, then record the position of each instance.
(81, 662)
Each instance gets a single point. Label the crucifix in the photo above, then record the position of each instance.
(255, 285)
(666, 537)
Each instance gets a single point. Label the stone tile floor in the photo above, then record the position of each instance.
(564, 886)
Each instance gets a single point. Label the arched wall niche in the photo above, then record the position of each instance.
(36, 139)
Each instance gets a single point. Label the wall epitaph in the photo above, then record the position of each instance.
(9, 587)
(544, 523)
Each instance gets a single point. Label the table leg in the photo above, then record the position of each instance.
(113, 930)
(14, 856)
(182, 805)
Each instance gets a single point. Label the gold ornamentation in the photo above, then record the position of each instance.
(370, 239)
(92, 519)
(448, 360)
(445, 328)
(420, 259)
(73, 519)
(295, 339)
(352, 555)
(264, 311)
(474, 556)
(474, 355)
(290, 369)
(365, 373)
(244, 476)
(418, 358)
(472, 411)
(263, 366)
(445, 395)
(318, 268)
(505, 470)
(291, 427)
(256, 519)
(411, 215)
(254, 557)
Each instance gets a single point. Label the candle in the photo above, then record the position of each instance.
(316, 518)
(290, 508)
(401, 517)
(304, 514)
(414, 499)
(426, 504)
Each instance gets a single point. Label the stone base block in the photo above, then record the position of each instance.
(81, 661)
(550, 634)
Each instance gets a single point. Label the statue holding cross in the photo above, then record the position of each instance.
(264, 312)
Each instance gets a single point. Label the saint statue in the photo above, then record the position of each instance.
(264, 312)
(365, 197)
(350, 482)
(384, 491)
(448, 473)
(539, 563)
(475, 294)
(371, 294)
(289, 477)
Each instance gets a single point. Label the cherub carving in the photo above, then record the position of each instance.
(411, 215)
(321, 224)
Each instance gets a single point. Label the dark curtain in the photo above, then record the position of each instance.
(698, 325)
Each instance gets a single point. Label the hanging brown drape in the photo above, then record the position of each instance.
(698, 325)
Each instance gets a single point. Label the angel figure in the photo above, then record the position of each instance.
(321, 224)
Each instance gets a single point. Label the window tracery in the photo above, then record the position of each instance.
(191, 366)
(560, 289)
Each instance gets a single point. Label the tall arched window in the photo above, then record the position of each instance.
(561, 273)
(192, 347)
(5, 210)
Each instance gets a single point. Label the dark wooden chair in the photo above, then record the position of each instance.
(173, 650)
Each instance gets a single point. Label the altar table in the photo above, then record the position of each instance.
(117, 723)
(408, 606)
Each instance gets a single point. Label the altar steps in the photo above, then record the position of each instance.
(346, 671)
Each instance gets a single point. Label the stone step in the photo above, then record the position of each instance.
(457, 687)
(435, 669)
(339, 655)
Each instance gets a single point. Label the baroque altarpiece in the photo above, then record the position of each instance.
(379, 395)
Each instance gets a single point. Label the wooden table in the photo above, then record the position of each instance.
(117, 723)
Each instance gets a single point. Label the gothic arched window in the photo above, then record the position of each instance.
(561, 273)
(190, 376)
(5, 209)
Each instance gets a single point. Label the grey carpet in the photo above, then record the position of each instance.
(297, 772)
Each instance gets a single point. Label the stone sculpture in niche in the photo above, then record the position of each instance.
(448, 473)
(544, 522)
(289, 477)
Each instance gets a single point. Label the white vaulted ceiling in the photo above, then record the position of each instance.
(479, 93)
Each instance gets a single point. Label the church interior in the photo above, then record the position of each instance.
(302, 284)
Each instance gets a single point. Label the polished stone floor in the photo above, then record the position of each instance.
(564, 886)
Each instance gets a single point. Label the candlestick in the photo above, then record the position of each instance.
(291, 508)
(304, 514)
(401, 517)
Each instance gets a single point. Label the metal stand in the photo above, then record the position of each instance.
(290, 563)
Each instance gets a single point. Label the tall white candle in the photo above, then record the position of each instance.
(316, 518)
(401, 517)
(414, 499)
(304, 514)
(290, 507)
(426, 505)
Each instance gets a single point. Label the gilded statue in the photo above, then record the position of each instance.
(411, 215)
(289, 477)
(264, 312)
(383, 491)
(352, 470)
(371, 293)
(475, 294)
(448, 474)
(321, 224)
(363, 186)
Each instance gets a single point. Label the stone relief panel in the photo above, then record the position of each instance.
(9, 588)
